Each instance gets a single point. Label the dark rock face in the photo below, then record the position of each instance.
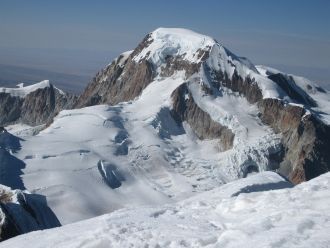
(123, 80)
(21, 213)
(292, 90)
(120, 84)
(36, 108)
(174, 64)
(10, 108)
(305, 139)
(247, 87)
(185, 109)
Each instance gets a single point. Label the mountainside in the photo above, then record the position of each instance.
(215, 81)
(244, 213)
(177, 116)
(33, 105)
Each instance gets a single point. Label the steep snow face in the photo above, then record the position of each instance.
(174, 42)
(244, 213)
(22, 91)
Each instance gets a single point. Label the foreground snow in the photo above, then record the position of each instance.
(227, 216)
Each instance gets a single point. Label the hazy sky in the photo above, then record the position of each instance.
(76, 36)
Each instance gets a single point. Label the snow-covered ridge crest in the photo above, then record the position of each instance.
(22, 91)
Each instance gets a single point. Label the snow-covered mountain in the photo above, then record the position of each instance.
(259, 211)
(33, 105)
(177, 116)
(210, 87)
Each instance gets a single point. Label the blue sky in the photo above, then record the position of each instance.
(292, 34)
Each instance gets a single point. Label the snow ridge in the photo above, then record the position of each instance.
(23, 91)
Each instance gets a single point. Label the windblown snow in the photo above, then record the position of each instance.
(244, 213)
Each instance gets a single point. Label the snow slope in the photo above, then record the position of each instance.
(244, 213)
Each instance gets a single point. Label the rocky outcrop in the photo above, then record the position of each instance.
(116, 84)
(246, 87)
(122, 80)
(37, 107)
(10, 108)
(21, 212)
(185, 109)
(305, 138)
(177, 63)
(292, 90)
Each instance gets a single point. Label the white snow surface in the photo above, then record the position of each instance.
(174, 42)
(223, 217)
(23, 91)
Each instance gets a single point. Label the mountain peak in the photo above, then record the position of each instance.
(179, 42)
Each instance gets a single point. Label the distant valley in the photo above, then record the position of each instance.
(10, 75)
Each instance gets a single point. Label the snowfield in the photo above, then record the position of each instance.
(243, 213)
